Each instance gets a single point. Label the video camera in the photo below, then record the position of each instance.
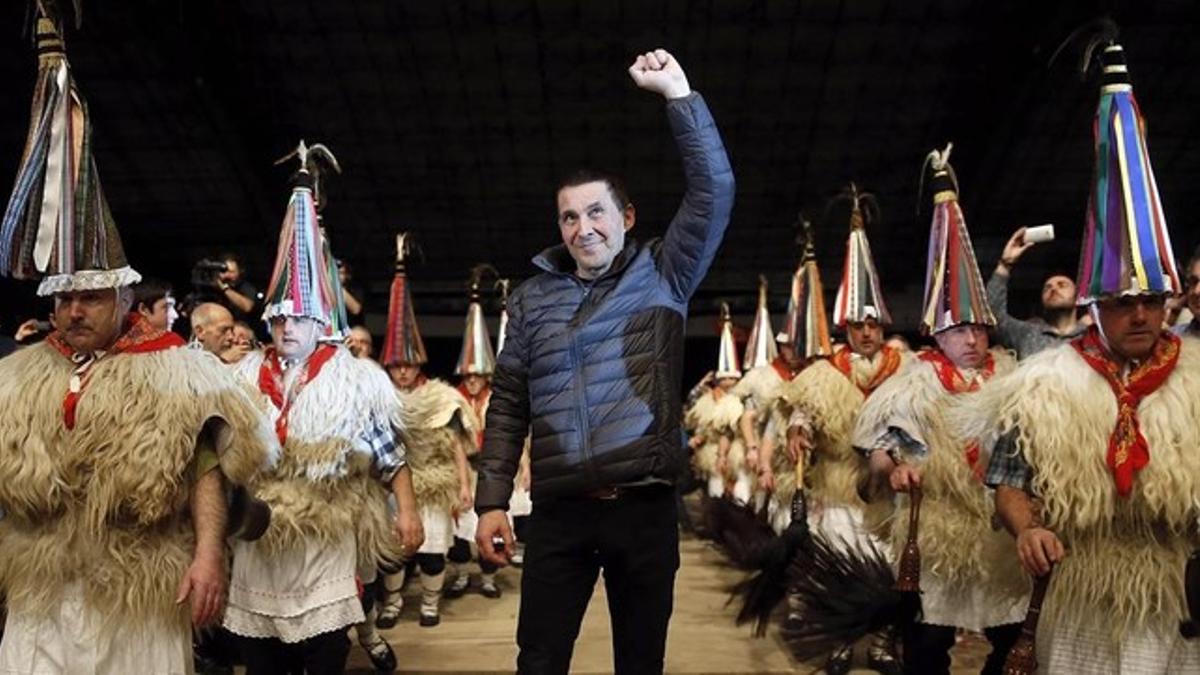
(206, 272)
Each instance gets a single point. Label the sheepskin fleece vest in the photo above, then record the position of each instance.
(106, 502)
(830, 400)
(712, 419)
(959, 543)
(437, 419)
(322, 486)
(1125, 555)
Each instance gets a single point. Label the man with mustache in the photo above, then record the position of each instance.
(592, 363)
(1097, 472)
(821, 405)
(115, 442)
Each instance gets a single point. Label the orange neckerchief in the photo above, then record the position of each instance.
(270, 382)
(477, 404)
(785, 371)
(1128, 451)
(889, 364)
(954, 382)
(139, 337)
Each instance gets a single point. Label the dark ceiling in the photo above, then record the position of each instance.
(452, 119)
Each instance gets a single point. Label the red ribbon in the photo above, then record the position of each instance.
(139, 337)
(785, 371)
(1128, 451)
(954, 382)
(888, 366)
(949, 374)
(270, 382)
(477, 404)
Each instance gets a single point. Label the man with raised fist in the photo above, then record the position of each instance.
(592, 366)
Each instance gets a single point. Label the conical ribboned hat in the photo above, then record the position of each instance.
(760, 346)
(727, 357)
(859, 295)
(476, 356)
(1126, 246)
(807, 327)
(402, 343)
(301, 285)
(57, 226)
(954, 290)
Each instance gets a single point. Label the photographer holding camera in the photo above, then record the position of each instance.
(221, 280)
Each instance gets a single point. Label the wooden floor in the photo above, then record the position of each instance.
(477, 634)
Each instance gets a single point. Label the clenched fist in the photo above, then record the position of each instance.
(658, 71)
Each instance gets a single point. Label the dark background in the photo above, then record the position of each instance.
(453, 119)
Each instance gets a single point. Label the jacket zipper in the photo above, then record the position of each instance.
(581, 412)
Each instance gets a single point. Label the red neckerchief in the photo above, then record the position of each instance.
(477, 404)
(139, 337)
(1128, 451)
(889, 364)
(954, 382)
(270, 382)
(785, 371)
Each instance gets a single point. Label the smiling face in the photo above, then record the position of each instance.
(1131, 324)
(593, 226)
(294, 337)
(90, 320)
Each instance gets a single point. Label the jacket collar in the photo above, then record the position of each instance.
(558, 260)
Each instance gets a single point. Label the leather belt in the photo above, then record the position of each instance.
(605, 493)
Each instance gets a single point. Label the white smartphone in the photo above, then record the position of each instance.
(1039, 234)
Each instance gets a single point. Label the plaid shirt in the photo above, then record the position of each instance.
(1008, 466)
(387, 454)
(897, 443)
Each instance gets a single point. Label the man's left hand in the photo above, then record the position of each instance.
(204, 584)
(659, 72)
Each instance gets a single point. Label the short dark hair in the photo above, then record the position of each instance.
(149, 291)
(1057, 272)
(616, 186)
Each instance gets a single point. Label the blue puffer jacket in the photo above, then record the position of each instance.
(593, 369)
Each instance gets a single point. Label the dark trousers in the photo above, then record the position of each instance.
(927, 648)
(324, 654)
(635, 540)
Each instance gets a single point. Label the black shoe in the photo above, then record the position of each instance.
(430, 620)
(884, 663)
(456, 590)
(207, 663)
(381, 655)
(490, 591)
(387, 620)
